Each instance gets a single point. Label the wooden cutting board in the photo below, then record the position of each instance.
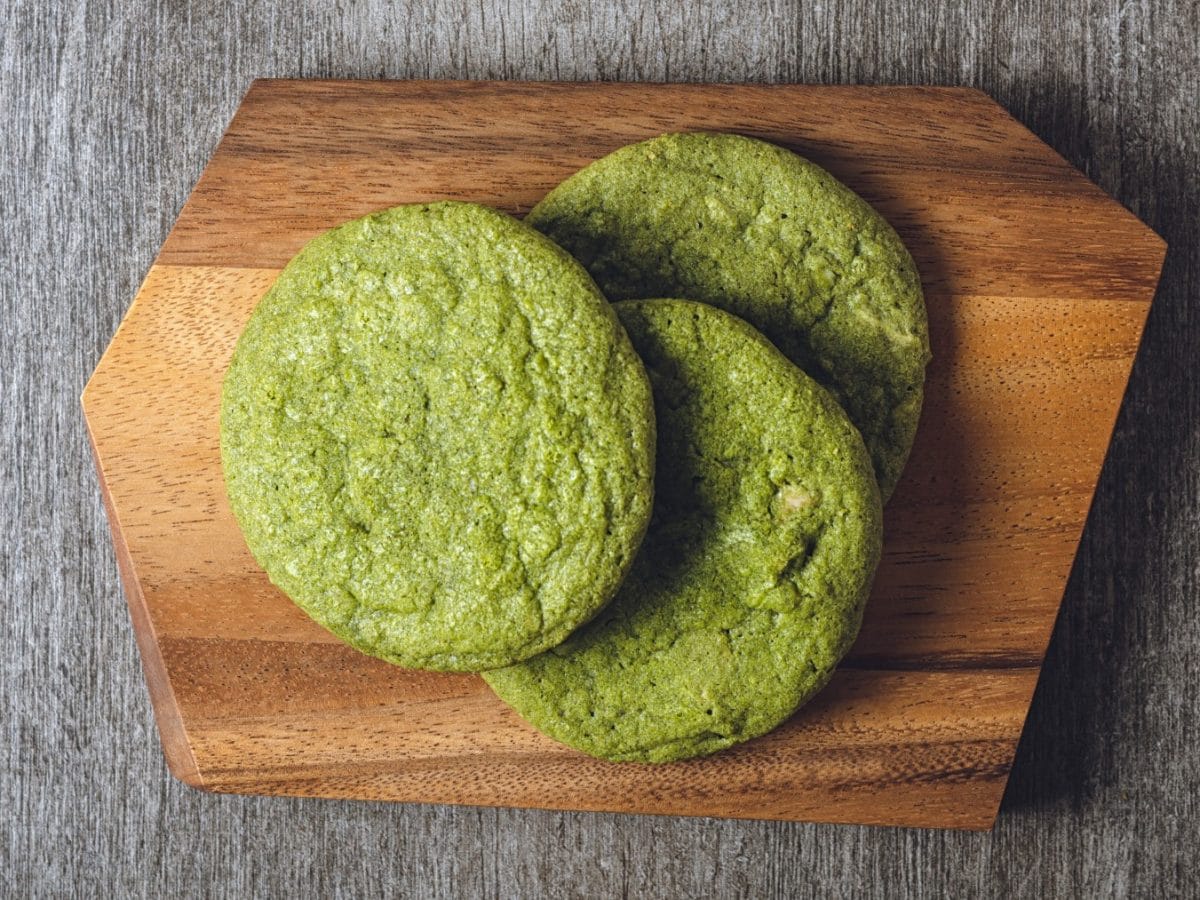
(1038, 286)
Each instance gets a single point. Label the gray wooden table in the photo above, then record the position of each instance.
(109, 112)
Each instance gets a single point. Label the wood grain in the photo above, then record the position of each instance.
(1038, 286)
(111, 111)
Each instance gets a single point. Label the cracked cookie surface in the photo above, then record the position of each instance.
(437, 438)
(751, 581)
(762, 233)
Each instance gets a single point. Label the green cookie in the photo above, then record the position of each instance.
(760, 232)
(438, 439)
(751, 581)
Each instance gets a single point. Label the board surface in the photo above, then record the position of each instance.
(1037, 286)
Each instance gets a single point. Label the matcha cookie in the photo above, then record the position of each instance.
(751, 581)
(760, 232)
(438, 439)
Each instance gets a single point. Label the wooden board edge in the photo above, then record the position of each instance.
(85, 396)
(978, 818)
(1151, 290)
(177, 749)
(1154, 242)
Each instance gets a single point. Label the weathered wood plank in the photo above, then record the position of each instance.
(112, 110)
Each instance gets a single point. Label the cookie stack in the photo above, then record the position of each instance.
(625, 459)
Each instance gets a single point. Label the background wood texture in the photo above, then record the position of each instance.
(1037, 286)
(109, 113)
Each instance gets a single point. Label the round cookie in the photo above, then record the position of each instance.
(758, 231)
(438, 439)
(752, 578)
